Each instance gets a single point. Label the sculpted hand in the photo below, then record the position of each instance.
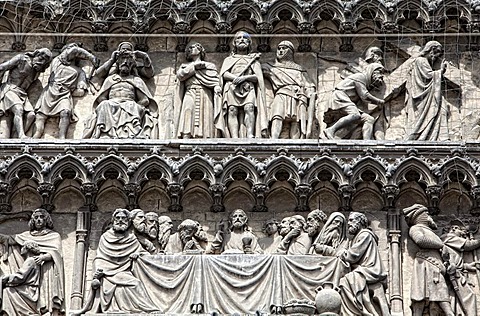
(189, 245)
(444, 66)
(217, 90)
(200, 65)
(134, 256)
(39, 259)
(318, 248)
(238, 80)
(98, 274)
(115, 55)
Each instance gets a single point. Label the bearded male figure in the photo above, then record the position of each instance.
(243, 112)
(294, 101)
(297, 241)
(428, 275)
(237, 237)
(119, 290)
(184, 239)
(51, 287)
(332, 237)
(315, 221)
(23, 71)
(165, 227)
(139, 222)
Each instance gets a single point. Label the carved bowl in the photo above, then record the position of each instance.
(299, 308)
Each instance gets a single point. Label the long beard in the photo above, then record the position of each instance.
(163, 239)
(140, 227)
(120, 227)
(331, 237)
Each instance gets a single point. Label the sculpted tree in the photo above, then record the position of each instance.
(236, 237)
(23, 71)
(428, 275)
(67, 80)
(426, 113)
(243, 111)
(50, 295)
(294, 101)
(347, 97)
(367, 273)
(124, 108)
(197, 96)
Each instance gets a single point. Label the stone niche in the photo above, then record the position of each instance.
(181, 182)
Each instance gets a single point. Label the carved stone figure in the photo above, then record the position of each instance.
(348, 98)
(198, 95)
(297, 241)
(23, 71)
(426, 113)
(165, 226)
(284, 227)
(124, 108)
(270, 243)
(184, 239)
(428, 275)
(67, 80)
(367, 273)
(315, 221)
(139, 222)
(332, 237)
(151, 221)
(294, 101)
(50, 297)
(119, 290)
(236, 237)
(20, 294)
(243, 113)
(201, 236)
(456, 243)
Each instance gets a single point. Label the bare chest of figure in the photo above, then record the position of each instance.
(22, 76)
(122, 90)
(240, 65)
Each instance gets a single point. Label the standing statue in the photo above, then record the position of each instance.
(332, 237)
(456, 242)
(428, 274)
(50, 297)
(297, 241)
(243, 112)
(23, 71)
(67, 80)
(119, 291)
(294, 101)
(315, 221)
(139, 222)
(270, 243)
(198, 95)
(426, 113)
(367, 273)
(349, 95)
(124, 108)
(236, 238)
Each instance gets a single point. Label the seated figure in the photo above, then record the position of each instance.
(297, 241)
(124, 107)
(332, 237)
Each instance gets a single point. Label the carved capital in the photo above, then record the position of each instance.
(434, 193)
(181, 27)
(347, 27)
(473, 27)
(304, 48)
(89, 191)
(46, 189)
(346, 191)
(175, 191)
(217, 191)
(306, 28)
(264, 28)
(433, 26)
(100, 26)
(223, 27)
(303, 191)
(346, 48)
(260, 190)
(132, 190)
(5, 190)
(390, 27)
(390, 193)
(222, 48)
(5, 208)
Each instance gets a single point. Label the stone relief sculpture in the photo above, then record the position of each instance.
(457, 242)
(184, 241)
(426, 113)
(367, 273)
(348, 98)
(23, 71)
(124, 107)
(235, 236)
(332, 237)
(297, 241)
(429, 285)
(270, 243)
(284, 227)
(139, 222)
(243, 112)
(165, 226)
(36, 287)
(67, 80)
(198, 95)
(315, 221)
(294, 101)
(118, 289)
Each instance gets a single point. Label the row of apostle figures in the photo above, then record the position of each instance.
(33, 280)
(231, 103)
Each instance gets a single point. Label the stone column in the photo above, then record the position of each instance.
(390, 193)
(89, 191)
(475, 193)
(5, 190)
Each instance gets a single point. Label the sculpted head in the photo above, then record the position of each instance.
(356, 222)
(165, 223)
(333, 232)
(270, 227)
(151, 221)
(200, 234)
(298, 221)
(41, 59)
(125, 62)
(30, 247)
(238, 219)
(315, 221)
(285, 51)
(194, 49)
(121, 220)
(417, 214)
(138, 220)
(125, 46)
(433, 50)
(40, 220)
(242, 42)
(284, 226)
(374, 55)
(458, 228)
(187, 230)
